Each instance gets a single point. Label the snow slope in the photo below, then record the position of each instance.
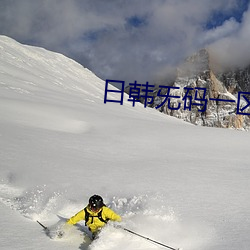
(176, 183)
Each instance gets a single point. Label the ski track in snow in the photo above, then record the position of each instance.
(145, 214)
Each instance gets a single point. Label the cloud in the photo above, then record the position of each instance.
(228, 28)
(126, 40)
(232, 50)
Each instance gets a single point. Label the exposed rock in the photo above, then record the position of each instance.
(196, 72)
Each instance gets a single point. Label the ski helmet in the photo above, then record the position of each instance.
(95, 202)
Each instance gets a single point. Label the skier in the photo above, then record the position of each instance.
(95, 214)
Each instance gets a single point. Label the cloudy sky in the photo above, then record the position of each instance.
(131, 39)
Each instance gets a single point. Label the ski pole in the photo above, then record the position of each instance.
(146, 238)
(45, 228)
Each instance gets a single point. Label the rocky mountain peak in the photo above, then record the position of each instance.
(198, 79)
(196, 64)
(197, 71)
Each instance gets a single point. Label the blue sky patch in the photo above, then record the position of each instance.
(136, 21)
(219, 17)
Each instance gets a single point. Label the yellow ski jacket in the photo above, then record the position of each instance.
(94, 223)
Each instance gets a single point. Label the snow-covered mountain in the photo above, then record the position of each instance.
(182, 185)
(198, 79)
